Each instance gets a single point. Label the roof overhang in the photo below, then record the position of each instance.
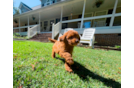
(21, 4)
(58, 4)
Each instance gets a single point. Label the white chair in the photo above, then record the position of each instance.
(67, 29)
(88, 36)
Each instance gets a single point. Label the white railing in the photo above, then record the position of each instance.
(56, 28)
(33, 31)
(92, 18)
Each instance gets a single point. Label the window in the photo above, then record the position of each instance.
(42, 5)
(45, 23)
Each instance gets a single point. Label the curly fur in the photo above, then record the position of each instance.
(64, 47)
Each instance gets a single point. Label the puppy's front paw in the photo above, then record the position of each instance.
(70, 61)
(68, 67)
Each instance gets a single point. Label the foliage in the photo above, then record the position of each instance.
(16, 10)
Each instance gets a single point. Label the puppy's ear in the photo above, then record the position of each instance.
(62, 38)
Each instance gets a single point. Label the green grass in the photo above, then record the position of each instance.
(34, 67)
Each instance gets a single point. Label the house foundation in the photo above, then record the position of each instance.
(108, 39)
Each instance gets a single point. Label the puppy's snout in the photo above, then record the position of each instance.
(77, 41)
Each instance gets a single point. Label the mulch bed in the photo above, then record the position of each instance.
(100, 47)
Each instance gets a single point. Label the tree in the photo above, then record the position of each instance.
(16, 10)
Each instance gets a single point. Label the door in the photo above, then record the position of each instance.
(45, 26)
(51, 22)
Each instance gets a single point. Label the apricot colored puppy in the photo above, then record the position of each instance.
(64, 47)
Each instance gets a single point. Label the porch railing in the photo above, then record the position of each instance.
(56, 28)
(33, 31)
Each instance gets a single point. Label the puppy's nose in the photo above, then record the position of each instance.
(77, 41)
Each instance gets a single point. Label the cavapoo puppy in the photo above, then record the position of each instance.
(64, 47)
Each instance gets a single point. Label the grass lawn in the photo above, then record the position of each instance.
(34, 67)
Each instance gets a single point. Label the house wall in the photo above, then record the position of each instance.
(108, 39)
(44, 1)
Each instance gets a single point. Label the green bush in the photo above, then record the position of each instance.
(117, 46)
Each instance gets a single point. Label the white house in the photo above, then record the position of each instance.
(53, 16)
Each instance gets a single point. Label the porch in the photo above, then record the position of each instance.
(73, 14)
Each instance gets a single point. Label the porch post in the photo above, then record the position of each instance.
(28, 27)
(61, 16)
(113, 14)
(28, 21)
(19, 26)
(81, 26)
(39, 23)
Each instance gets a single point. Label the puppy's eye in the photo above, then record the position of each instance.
(70, 37)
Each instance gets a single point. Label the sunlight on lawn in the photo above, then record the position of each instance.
(33, 66)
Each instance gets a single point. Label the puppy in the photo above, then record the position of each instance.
(64, 47)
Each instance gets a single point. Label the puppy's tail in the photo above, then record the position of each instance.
(52, 40)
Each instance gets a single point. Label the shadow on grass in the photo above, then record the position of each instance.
(84, 73)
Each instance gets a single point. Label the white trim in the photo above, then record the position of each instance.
(113, 14)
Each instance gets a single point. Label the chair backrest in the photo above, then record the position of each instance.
(88, 33)
(67, 29)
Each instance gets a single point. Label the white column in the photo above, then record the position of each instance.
(113, 14)
(39, 22)
(28, 27)
(61, 16)
(28, 21)
(19, 26)
(81, 26)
